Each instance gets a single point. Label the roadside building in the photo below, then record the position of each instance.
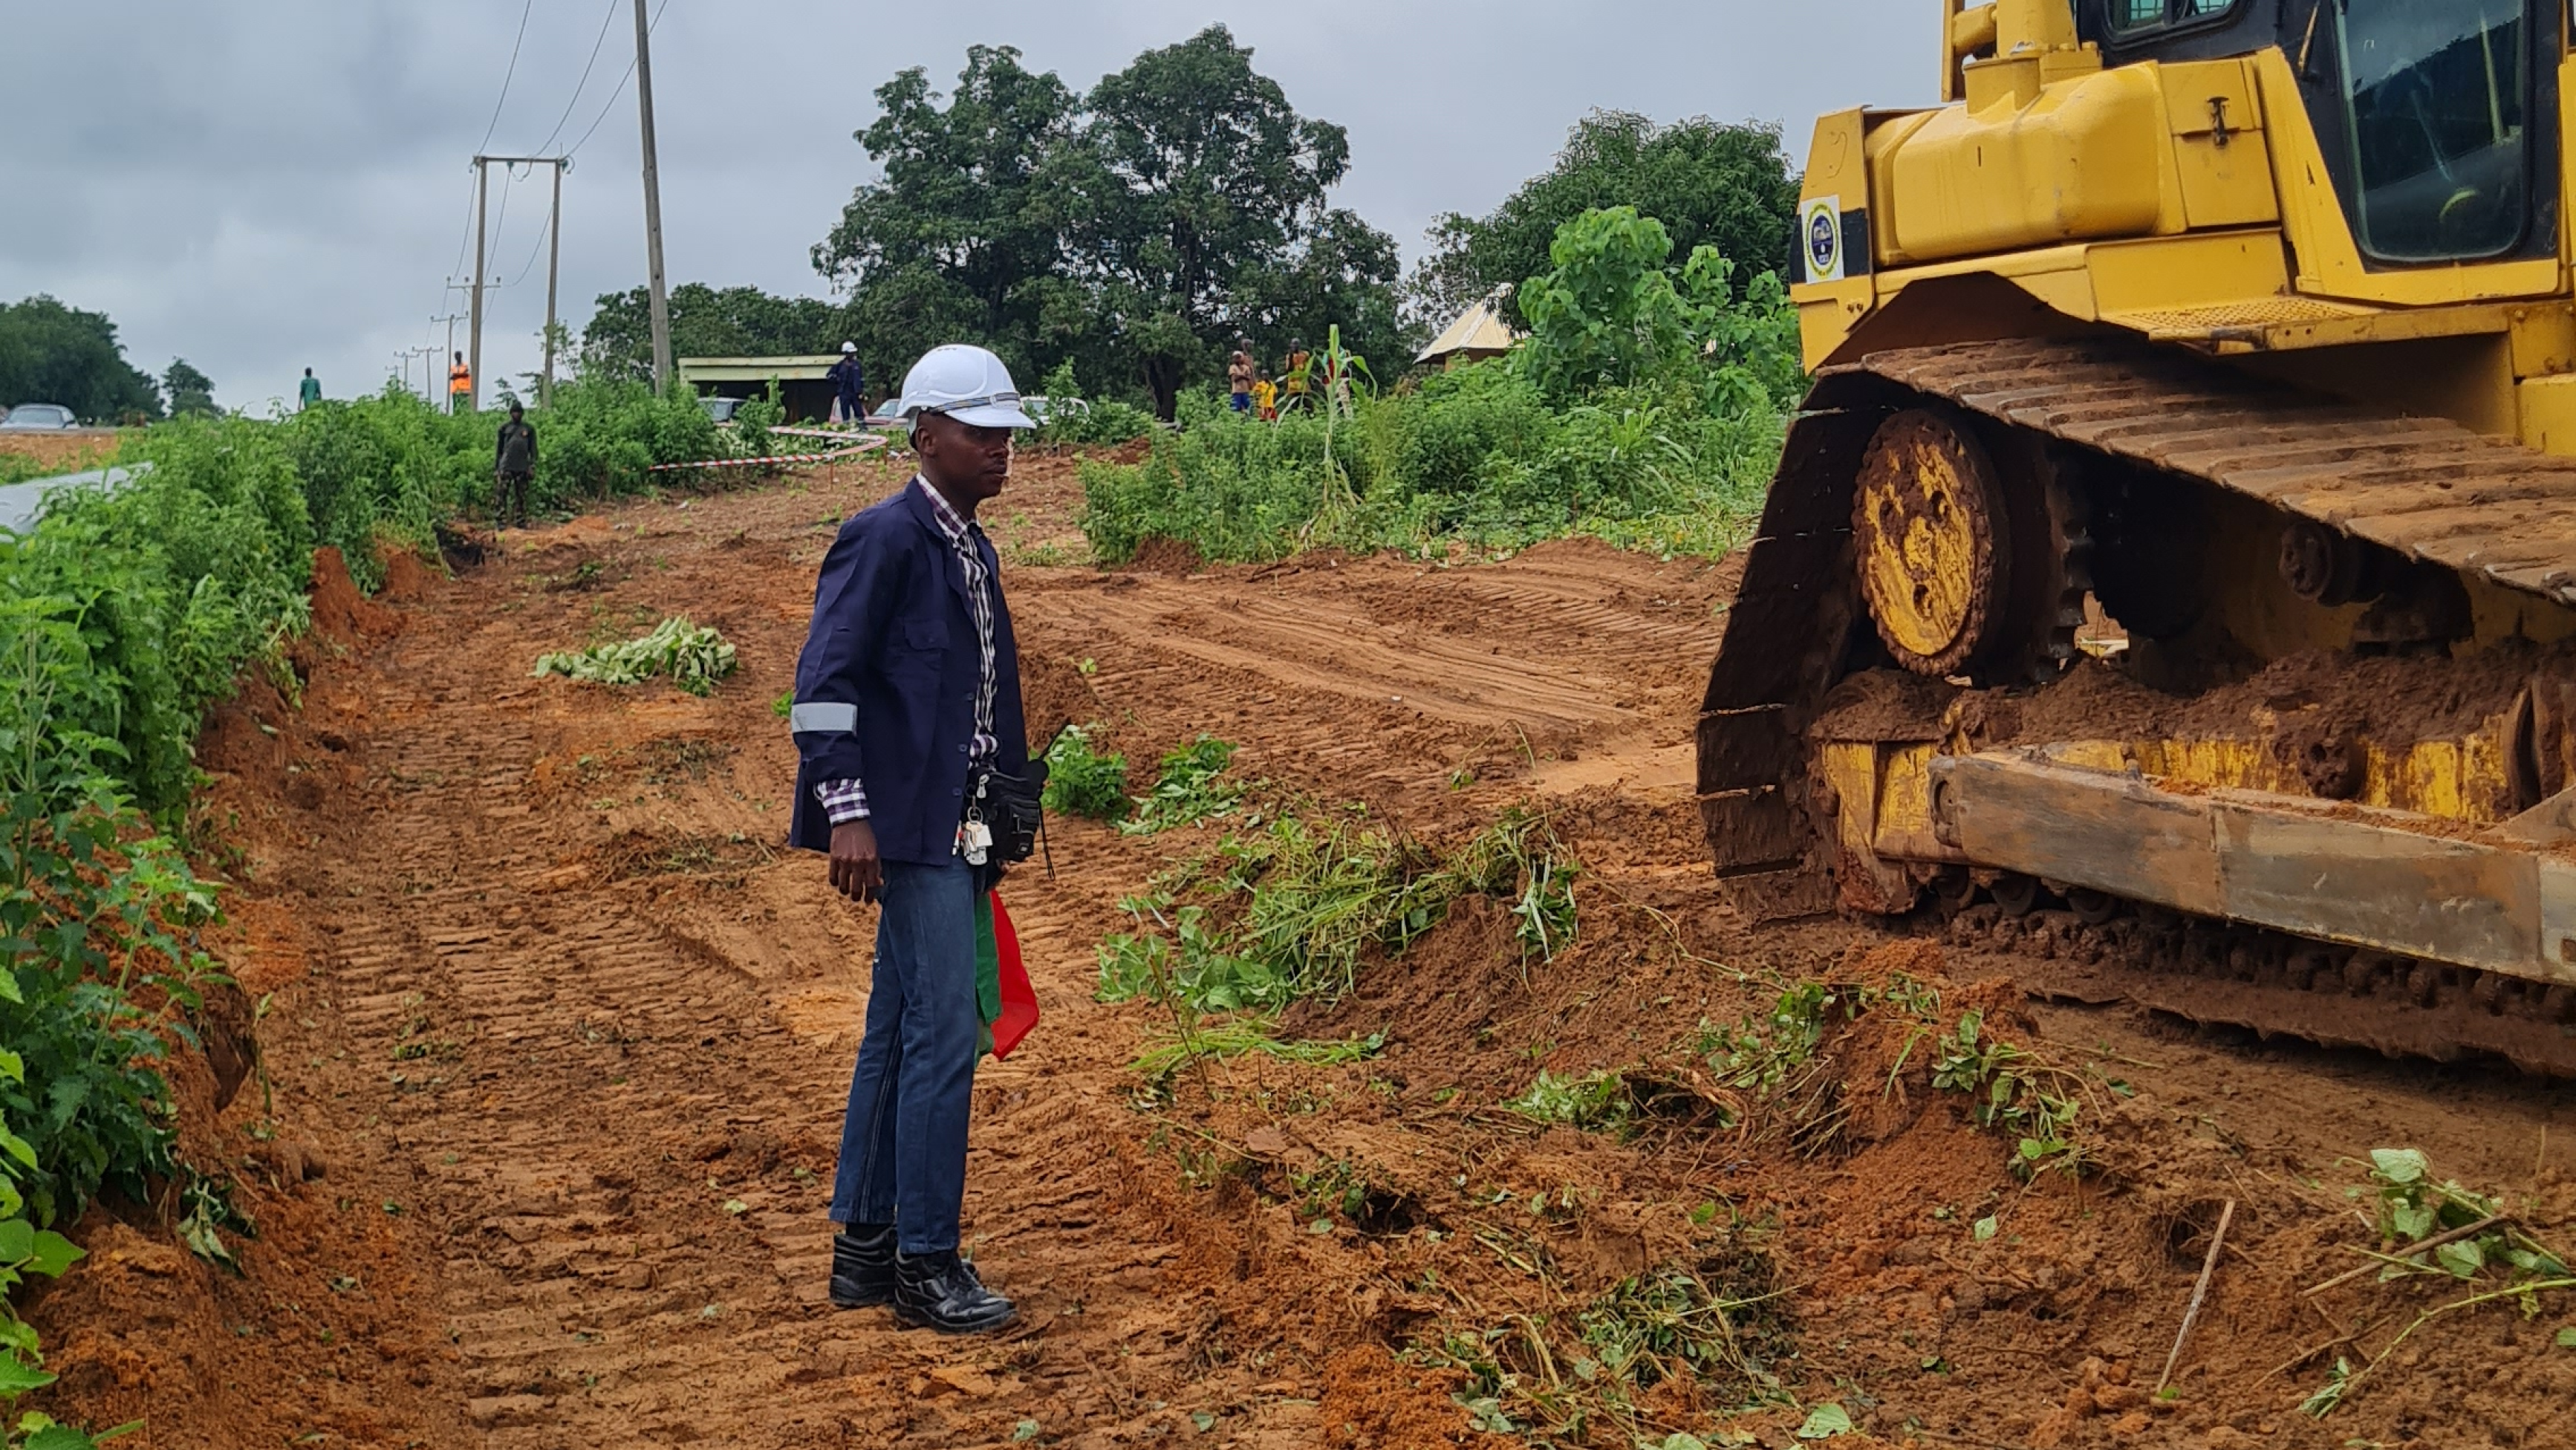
(804, 380)
(1480, 332)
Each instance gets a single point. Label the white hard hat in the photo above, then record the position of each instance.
(968, 384)
(849, 347)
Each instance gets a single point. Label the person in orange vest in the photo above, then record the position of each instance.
(460, 384)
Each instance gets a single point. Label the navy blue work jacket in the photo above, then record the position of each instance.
(889, 674)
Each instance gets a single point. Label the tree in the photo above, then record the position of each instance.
(50, 353)
(1200, 190)
(962, 240)
(192, 393)
(1609, 313)
(1728, 187)
(705, 322)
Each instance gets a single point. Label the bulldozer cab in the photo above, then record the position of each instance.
(2424, 107)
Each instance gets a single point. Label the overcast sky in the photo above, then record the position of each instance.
(265, 187)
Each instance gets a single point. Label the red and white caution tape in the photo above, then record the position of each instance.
(867, 446)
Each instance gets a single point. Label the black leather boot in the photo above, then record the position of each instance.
(941, 1291)
(863, 1266)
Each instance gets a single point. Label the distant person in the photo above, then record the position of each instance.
(460, 385)
(1238, 377)
(514, 466)
(1292, 378)
(308, 392)
(851, 384)
(1265, 399)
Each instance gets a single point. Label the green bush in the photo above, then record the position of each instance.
(1293, 911)
(1647, 409)
(1081, 781)
(1188, 790)
(1105, 420)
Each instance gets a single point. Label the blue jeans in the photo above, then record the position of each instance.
(903, 1144)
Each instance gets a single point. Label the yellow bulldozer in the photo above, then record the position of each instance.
(2171, 577)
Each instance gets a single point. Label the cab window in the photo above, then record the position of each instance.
(2133, 17)
(2436, 97)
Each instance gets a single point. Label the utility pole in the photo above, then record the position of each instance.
(554, 259)
(474, 360)
(661, 305)
(554, 268)
(430, 357)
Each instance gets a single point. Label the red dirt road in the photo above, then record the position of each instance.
(558, 1035)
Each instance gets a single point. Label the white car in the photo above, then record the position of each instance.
(38, 418)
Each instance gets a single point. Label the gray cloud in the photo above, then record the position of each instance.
(261, 188)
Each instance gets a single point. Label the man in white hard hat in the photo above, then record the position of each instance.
(908, 726)
(850, 384)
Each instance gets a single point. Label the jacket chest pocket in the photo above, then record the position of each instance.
(916, 647)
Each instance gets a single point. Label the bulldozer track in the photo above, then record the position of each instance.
(2427, 488)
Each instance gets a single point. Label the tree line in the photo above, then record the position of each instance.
(53, 353)
(1142, 230)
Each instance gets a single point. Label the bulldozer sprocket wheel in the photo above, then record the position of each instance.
(1932, 539)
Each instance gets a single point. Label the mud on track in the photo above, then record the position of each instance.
(558, 1036)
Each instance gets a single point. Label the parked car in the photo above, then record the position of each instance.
(38, 418)
(1041, 407)
(720, 409)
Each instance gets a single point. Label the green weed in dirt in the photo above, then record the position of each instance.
(1164, 1056)
(2412, 1207)
(1082, 781)
(1293, 911)
(2505, 1262)
(691, 657)
(1595, 1102)
(1786, 1063)
(2013, 1091)
(1589, 1376)
(1188, 789)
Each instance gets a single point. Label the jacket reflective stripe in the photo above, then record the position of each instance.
(824, 718)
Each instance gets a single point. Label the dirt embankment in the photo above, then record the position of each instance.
(65, 452)
(557, 1034)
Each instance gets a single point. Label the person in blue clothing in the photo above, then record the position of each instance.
(850, 385)
(907, 700)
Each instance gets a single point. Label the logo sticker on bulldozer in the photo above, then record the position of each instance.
(1820, 232)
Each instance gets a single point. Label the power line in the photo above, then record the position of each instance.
(524, 12)
(501, 220)
(654, 24)
(531, 263)
(584, 83)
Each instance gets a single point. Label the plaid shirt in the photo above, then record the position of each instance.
(847, 800)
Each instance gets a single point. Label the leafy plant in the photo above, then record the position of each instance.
(1082, 781)
(2413, 1207)
(2013, 1091)
(1249, 1035)
(1714, 1324)
(691, 657)
(2330, 1394)
(1187, 791)
(1290, 912)
(1596, 1102)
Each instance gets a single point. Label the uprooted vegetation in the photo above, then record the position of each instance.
(1291, 911)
